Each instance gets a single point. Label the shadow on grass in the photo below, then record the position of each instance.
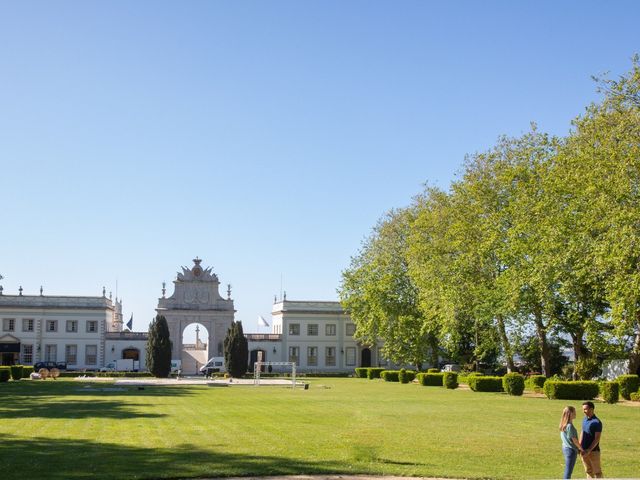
(77, 400)
(31, 408)
(27, 389)
(76, 459)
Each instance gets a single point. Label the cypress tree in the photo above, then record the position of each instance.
(236, 351)
(159, 348)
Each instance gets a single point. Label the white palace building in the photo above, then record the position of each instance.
(88, 332)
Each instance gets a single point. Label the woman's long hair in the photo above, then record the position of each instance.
(566, 417)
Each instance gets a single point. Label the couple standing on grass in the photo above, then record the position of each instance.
(588, 446)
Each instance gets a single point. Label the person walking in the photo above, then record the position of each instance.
(590, 441)
(569, 438)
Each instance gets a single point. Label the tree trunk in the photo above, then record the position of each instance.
(433, 344)
(578, 348)
(541, 333)
(506, 346)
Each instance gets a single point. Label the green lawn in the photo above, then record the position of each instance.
(64, 430)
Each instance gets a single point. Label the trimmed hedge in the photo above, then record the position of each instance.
(628, 385)
(433, 370)
(390, 375)
(450, 380)
(635, 396)
(513, 384)
(5, 374)
(464, 378)
(361, 372)
(374, 372)
(535, 383)
(27, 370)
(560, 390)
(406, 376)
(16, 372)
(610, 392)
(431, 379)
(480, 383)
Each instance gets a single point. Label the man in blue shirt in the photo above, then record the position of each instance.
(590, 441)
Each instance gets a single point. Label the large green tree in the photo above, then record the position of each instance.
(236, 351)
(600, 171)
(159, 348)
(381, 298)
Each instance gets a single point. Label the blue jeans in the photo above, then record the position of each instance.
(570, 456)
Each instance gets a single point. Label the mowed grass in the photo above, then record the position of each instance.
(69, 430)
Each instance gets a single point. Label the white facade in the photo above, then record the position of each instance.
(316, 335)
(56, 328)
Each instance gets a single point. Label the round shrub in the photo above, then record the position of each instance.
(610, 392)
(361, 372)
(16, 372)
(561, 390)
(635, 396)
(628, 385)
(450, 380)
(513, 384)
(5, 374)
(535, 383)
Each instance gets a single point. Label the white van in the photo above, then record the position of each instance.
(215, 364)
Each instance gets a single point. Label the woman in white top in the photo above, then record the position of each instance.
(569, 437)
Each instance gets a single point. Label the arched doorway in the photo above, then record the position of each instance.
(195, 348)
(365, 357)
(131, 353)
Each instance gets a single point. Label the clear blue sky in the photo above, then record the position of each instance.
(265, 137)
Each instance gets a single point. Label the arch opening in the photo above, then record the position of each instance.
(195, 348)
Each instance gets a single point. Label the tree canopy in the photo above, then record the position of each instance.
(537, 240)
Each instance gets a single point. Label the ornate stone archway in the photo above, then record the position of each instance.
(196, 299)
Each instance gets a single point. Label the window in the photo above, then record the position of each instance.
(72, 325)
(27, 324)
(351, 356)
(8, 324)
(92, 326)
(330, 329)
(350, 329)
(50, 353)
(312, 356)
(71, 354)
(294, 329)
(91, 355)
(27, 354)
(330, 356)
(52, 325)
(294, 354)
(312, 329)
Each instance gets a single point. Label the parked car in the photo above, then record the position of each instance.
(49, 365)
(450, 367)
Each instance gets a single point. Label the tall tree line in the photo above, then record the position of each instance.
(538, 240)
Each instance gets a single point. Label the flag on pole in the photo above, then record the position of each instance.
(130, 323)
(262, 322)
